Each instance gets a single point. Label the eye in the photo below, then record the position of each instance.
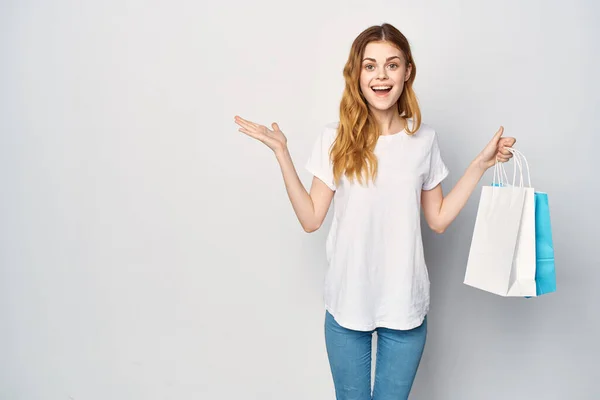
(395, 65)
(367, 67)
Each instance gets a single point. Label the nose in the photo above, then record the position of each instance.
(382, 74)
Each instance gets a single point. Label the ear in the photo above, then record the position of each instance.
(408, 72)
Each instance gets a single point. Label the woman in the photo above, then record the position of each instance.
(382, 165)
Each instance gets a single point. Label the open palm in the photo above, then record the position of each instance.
(273, 138)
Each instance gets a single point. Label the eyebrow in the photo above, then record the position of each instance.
(387, 59)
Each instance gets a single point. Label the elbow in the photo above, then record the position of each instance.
(439, 229)
(437, 223)
(309, 228)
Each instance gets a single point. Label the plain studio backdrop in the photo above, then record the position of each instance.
(149, 251)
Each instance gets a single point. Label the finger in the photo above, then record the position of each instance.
(275, 126)
(247, 132)
(507, 142)
(241, 120)
(498, 134)
(238, 118)
(245, 124)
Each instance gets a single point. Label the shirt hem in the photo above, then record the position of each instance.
(413, 323)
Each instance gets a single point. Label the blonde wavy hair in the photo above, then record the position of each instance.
(352, 152)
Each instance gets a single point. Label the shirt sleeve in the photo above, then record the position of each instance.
(437, 169)
(319, 163)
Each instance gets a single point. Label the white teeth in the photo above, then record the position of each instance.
(381, 87)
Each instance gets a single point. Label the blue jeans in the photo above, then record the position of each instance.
(398, 357)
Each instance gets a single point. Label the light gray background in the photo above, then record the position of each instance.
(148, 249)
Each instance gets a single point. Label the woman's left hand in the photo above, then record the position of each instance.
(496, 149)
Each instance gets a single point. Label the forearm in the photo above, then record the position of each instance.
(299, 197)
(457, 198)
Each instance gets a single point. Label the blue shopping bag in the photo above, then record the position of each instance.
(545, 273)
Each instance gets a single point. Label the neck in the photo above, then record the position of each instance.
(389, 121)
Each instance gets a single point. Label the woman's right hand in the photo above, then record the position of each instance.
(274, 138)
(310, 208)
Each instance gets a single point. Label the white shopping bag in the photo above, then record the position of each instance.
(502, 255)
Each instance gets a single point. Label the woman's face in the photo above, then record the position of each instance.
(383, 66)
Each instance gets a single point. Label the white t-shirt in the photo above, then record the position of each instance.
(377, 275)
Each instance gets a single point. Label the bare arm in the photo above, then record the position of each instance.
(310, 208)
(440, 211)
